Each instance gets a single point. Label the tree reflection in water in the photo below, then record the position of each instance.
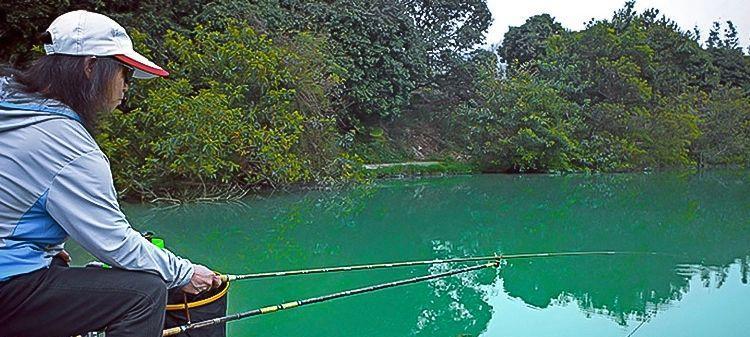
(698, 221)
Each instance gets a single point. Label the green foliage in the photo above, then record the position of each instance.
(725, 124)
(669, 130)
(635, 84)
(439, 105)
(637, 80)
(382, 65)
(378, 147)
(679, 63)
(727, 56)
(600, 65)
(388, 48)
(20, 25)
(528, 42)
(523, 125)
(243, 111)
(602, 69)
(447, 29)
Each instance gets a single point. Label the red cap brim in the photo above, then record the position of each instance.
(143, 67)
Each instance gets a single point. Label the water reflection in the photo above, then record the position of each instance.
(698, 222)
(694, 218)
(459, 304)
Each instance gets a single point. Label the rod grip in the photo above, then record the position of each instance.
(171, 331)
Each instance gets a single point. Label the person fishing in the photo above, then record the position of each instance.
(56, 183)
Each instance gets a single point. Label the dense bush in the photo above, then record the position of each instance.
(725, 121)
(242, 110)
(524, 125)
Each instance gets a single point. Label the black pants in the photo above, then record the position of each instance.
(60, 302)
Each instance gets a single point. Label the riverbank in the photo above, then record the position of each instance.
(418, 168)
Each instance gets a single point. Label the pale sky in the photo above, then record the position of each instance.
(573, 14)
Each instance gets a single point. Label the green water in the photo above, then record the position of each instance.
(699, 287)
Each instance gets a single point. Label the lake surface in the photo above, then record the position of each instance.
(696, 284)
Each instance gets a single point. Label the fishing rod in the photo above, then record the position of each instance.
(294, 304)
(229, 277)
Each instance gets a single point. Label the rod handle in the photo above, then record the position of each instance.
(171, 331)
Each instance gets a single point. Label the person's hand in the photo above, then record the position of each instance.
(203, 279)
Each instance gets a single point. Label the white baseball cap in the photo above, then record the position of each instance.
(93, 34)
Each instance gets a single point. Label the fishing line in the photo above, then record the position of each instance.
(230, 277)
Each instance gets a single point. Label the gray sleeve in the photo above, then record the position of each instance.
(82, 199)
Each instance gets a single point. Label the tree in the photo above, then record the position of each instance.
(448, 28)
(731, 39)
(527, 128)
(714, 39)
(725, 125)
(387, 47)
(632, 77)
(600, 65)
(624, 16)
(727, 56)
(679, 62)
(528, 42)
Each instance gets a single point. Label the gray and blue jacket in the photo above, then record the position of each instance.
(55, 182)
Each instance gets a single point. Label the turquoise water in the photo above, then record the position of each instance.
(697, 285)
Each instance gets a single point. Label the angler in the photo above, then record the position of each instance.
(56, 183)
